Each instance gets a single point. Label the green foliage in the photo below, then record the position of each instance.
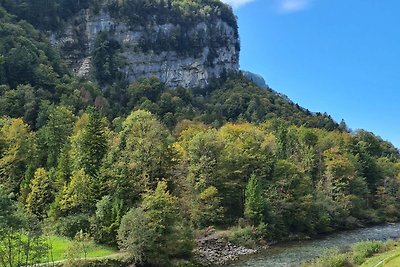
(140, 156)
(332, 259)
(41, 193)
(357, 255)
(97, 263)
(107, 220)
(134, 235)
(207, 209)
(21, 243)
(8, 211)
(46, 15)
(18, 151)
(363, 250)
(243, 236)
(254, 205)
(79, 248)
(155, 232)
(54, 134)
(69, 226)
(74, 197)
(27, 57)
(89, 144)
(105, 59)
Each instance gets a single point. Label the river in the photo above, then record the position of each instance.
(295, 253)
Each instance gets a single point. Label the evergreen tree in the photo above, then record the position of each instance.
(90, 143)
(55, 133)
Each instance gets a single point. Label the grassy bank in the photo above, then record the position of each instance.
(62, 245)
(390, 259)
(363, 254)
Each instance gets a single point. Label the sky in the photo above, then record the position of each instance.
(336, 56)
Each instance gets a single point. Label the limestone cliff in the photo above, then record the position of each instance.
(180, 55)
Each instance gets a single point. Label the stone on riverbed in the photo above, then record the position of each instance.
(215, 250)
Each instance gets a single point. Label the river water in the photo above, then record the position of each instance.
(296, 253)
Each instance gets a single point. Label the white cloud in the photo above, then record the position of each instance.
(289, 6)
(237, 3)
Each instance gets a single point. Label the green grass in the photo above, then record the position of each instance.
(390, 258)
(393, 261)
(61, 245)
(363, 254)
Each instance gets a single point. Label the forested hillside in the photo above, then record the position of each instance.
(143, 168)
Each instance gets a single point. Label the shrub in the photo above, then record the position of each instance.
(332, 258)
(243, 237)
(363, 250)
(183, 263)
(71, 225)
(94, 263)
(262, 231)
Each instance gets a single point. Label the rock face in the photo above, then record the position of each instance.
(175, 68)
(255, 78)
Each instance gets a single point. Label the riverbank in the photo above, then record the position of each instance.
(215, 249)
(363, 254)
(390, 258)
(296, 253)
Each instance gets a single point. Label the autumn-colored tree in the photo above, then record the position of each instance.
(139, 157)
(41, 193)
(75, 196)
(18, 153)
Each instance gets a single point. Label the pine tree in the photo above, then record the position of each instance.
(91, 144)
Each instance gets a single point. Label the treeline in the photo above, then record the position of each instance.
(26, 55)
(53, 15)
(177, 12)
(46, 14)
(141, 181)
(229, 99)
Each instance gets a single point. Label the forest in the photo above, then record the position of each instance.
(144, 169)
(141, 181)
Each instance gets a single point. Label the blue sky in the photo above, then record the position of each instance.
(338, 56)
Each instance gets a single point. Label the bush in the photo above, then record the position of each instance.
(262, 231)
(243, 237)
(95, 263)
(69, 226)
(183, 263)
(332, 258)
(363, 250)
